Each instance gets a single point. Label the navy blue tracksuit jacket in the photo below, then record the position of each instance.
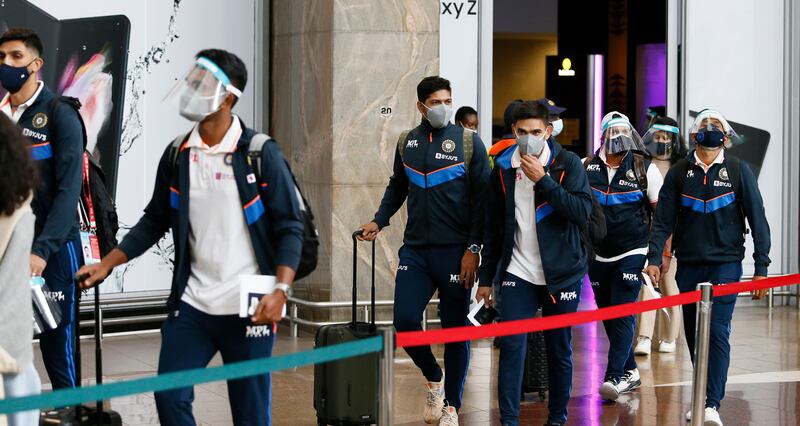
(57, 148)
(708, 219)
(431, 173)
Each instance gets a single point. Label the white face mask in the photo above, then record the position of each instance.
(530, 145)
(558, 126)
(439, 115)
(467, 128)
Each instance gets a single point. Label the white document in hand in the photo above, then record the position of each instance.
(251, 289)
(648, 285)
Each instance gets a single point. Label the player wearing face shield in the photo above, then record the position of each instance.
(704, 204)
(220, 241)
(626, 185)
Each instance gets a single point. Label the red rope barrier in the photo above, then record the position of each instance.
(506, 328)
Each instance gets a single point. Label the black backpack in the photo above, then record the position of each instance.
(594, 230)
(105, 210)
(310, 251)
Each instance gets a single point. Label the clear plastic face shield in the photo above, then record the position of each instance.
(661, 140)
(202, 90)
(619, 137)
(711, 130)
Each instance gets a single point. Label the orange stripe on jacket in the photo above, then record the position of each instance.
(253, 201)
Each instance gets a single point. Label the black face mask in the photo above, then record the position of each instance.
(13, 78)
(663, 149)
(710, 138)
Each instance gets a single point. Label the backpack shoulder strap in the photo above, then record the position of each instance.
(734, 166)
(175, 149)
(401, 143)
(254, 151)
(468, 138)
(640, 170)
(559, 164)
(75, 104)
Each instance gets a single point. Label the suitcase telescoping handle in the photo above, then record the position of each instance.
(357, 234)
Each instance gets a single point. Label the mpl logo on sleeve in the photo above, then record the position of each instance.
(454, 278)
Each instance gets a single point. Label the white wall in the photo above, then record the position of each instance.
(734, 52)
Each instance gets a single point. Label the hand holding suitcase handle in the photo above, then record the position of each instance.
(356, 235)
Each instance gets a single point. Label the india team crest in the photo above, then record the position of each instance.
(39, 120)
(630, 175)
(448, 146)
(723, 173)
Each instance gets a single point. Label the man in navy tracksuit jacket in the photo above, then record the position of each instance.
(536, 206)
(704, 203)
(442, 237)
(226, 226)
(56, 136)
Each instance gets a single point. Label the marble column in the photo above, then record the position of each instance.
(338, 68)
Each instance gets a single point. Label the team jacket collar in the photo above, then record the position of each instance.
(5, 104)
(694, 159)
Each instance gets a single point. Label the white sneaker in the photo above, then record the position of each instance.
(449, 416)
(434, 402)
(712, 417)
(642, 346)
(630, 381)
(666, 347)
(610, 390)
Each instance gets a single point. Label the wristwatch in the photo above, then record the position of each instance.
(285, 288)
(474, 249)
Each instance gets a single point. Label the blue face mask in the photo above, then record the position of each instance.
(12, 78)
(710, 138)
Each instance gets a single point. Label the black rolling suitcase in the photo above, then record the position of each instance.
(535, 377)
(346, 390)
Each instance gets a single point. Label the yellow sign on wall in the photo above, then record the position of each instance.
(566, 68)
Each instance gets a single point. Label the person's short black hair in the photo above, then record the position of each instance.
(532, 109)
(430, 85)
(508, 115)
(463, 112)
(17, 171)
(29, 38)
(682, 150)
(230, 64)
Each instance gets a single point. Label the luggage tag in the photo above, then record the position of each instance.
(90, 247)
